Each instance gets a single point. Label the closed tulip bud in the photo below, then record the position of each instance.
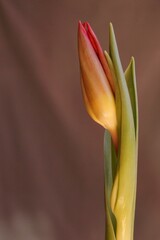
(96, 81)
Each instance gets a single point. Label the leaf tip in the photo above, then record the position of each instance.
(133, 61)
(111, 30)
(131, 65)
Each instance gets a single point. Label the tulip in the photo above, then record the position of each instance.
(96, 81)
(110, 97)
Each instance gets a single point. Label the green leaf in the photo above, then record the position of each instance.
(110, 162)
(130, 76)
(117, 91)
(127, 167)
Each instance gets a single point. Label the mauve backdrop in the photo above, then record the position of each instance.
(51, 153)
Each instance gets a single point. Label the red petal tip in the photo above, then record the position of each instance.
(82, 27)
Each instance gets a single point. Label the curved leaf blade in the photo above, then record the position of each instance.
(127, 167)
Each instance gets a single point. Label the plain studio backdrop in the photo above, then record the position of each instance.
(51, 152)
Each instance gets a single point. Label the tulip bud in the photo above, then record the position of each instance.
(96, 81)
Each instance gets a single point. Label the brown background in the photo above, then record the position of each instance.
(51, 155)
